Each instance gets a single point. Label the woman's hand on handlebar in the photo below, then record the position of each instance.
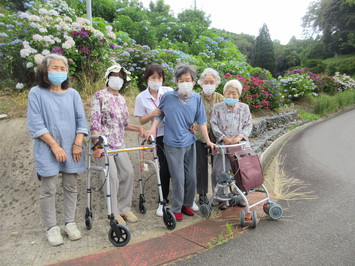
(97, 153)
(211, 145)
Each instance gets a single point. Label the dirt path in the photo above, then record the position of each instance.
(22, 236)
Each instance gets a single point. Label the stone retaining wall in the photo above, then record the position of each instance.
(268, 128)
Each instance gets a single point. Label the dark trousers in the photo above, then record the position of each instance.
(164, 169)
(201, 167)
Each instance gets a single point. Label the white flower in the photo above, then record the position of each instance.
(34, 25)
(26, 44)
(98, 34)
(76, 25)
(43, 11)
(57, 40)
(45, 52)
(52, 12)
(24, 15)
(38, 58)
(83, 21)
(48, 39)
(109, 28)
(19, 86)
(37, 37)
(67, 19)
(29, 65)
(35, 18)
(68, 44)
(64, 26)
(89, 28)
(59, 20)
(111, 35)
(42, 30)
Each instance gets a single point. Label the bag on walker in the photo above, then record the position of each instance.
(246, 167)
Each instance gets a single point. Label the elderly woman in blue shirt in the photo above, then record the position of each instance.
(231, 122)
(56, 121)
(181, 109)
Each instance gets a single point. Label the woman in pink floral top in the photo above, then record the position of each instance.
(231, 122)
(110, 118)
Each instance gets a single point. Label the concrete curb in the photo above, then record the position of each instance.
(272, 151)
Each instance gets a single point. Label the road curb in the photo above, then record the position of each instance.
(273, 149)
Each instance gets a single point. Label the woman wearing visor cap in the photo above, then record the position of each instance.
(109, 117)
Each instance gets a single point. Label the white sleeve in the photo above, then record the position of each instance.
(139, 109)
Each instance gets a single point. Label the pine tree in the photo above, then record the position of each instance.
(264, 55)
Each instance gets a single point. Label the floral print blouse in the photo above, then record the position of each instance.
(109, 116)
(231, 123)
(209, 103)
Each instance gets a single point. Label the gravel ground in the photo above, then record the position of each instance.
(22, 235)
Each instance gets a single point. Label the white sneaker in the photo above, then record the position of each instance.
(54, 237)
(194, 207)
(72, 231)
(159, 211)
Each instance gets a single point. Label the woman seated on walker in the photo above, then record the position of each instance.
(231, 122)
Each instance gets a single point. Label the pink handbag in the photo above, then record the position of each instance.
(246, 167)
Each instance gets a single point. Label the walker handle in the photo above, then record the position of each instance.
(98, 144)
(150, 141)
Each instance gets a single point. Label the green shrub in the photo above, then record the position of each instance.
(295, 86)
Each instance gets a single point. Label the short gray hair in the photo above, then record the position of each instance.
(234, 83)
(209, 71)
(50, 57)
(183, 69)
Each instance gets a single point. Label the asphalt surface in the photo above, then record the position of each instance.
(316, 231)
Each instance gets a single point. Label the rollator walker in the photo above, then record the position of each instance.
(119, 235)
(227, 191)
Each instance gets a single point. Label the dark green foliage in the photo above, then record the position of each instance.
(264, 55)
(335, 20)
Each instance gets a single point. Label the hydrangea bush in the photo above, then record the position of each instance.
(345, 81)
(295, 86)
(322, 82)
(254, 92)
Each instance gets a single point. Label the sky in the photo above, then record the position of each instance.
(282, 17)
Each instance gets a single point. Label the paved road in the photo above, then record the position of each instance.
(312, 232)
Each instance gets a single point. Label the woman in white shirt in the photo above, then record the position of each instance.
(146, 109)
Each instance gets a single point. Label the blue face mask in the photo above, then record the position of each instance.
(57, 78)
(230, 101)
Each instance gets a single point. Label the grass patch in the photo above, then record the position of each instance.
(325, 104)
(307, 116)
(223, 237)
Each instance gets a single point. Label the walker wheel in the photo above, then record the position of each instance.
(88, 219)
(266, 207)
(143, 207)
(142, 204)
(169, 219)
(121, 238)
(242, 218)
(233, 202)
(254, 218)
(205, 210)
(275, 211)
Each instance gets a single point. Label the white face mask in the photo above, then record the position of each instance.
(208, 89)
(185, 87)
(155, 85)
(115, 83)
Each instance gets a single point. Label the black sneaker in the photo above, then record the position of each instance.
(223, 206)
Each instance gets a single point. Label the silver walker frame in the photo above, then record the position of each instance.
(226, 181)
(119, 235)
